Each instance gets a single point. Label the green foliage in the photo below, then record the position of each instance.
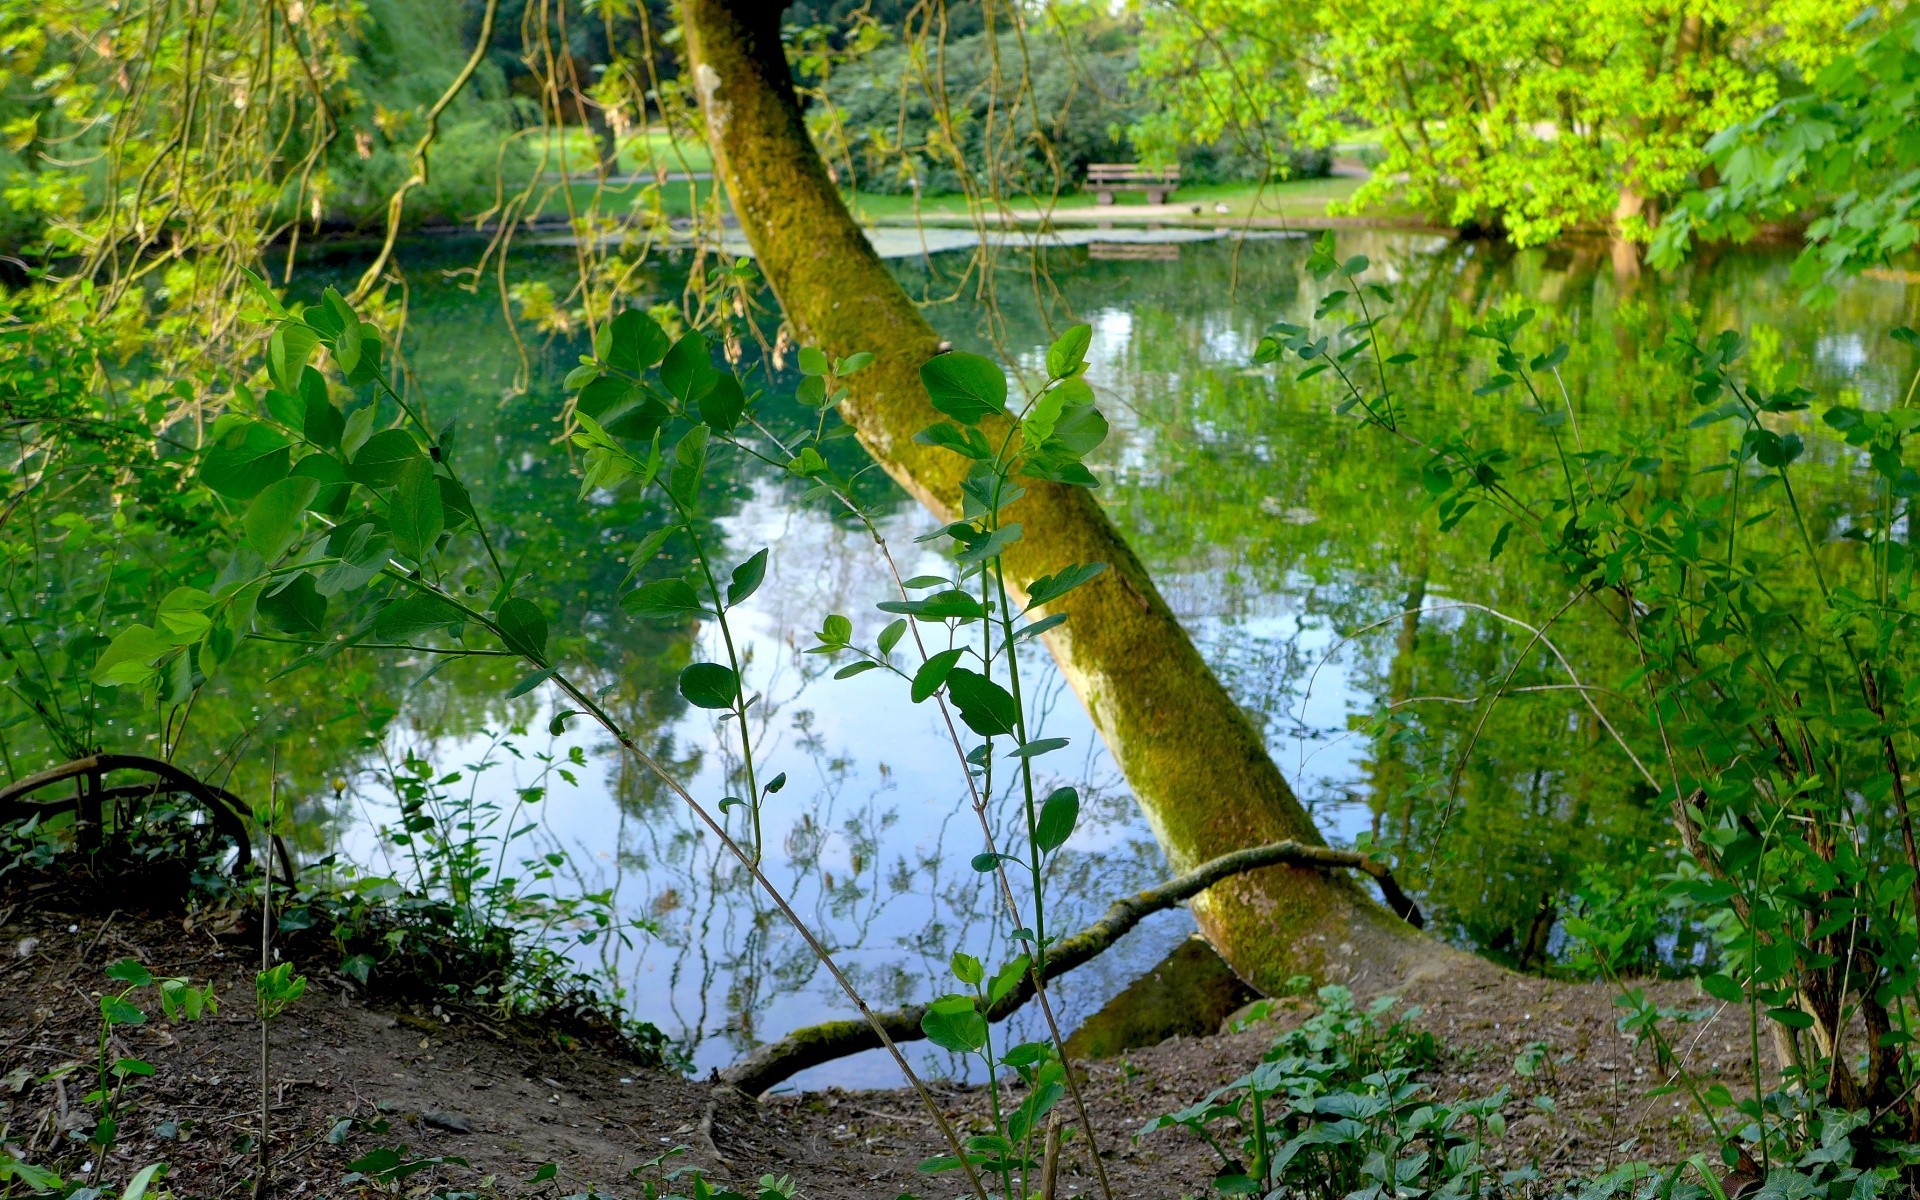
(1333, 1111)
(1764, 652)
(1845, 147)
(1532, 118)
(1010, 113)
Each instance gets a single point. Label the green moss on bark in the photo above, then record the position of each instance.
(1198, 766)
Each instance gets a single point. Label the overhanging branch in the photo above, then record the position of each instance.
(816, 1044)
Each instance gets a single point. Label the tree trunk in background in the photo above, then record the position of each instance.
(1196, 763)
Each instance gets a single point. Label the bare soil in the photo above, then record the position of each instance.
(508, 1099)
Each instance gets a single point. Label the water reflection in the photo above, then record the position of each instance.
(1275, 529)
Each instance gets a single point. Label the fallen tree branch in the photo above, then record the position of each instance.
(227, 810)
(816, 1044)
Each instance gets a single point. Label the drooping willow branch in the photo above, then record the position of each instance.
(396, 203)
(816, 1044)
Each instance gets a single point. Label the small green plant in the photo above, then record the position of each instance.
(1333, 1110)
(180, 1000)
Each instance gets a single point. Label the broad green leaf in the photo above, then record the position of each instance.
(967, 969)
(689, 463)
(416, 514)
(288, 350)
(245, 461)
(637, 342)
(1059, 813)
(132, 971)
(383, 457)
(128, 659)
(1007, 978)
(116, 1011)
(709, 685)
(1049, 588)
(414, 614)
(747, 578)
(987, 708)
(663, 598)
(688, 369)
(954, 1023)
(297, 608)
(722, 404)
(272, 521)
(523, 627)
(1069, 350)
(965, 386)
(813, 361)
(933, 673)
(185, 616)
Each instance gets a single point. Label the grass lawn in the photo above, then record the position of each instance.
(1299, 197)
(639, 151)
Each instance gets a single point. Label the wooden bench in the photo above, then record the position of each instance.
(1108, 178)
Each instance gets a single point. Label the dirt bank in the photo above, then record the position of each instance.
(509, 1100)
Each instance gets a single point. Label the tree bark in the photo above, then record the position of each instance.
(1197, 765)
(779, 1061)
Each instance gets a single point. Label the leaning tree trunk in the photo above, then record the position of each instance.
(1196, 763)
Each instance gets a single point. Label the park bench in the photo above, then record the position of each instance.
(1105, 179)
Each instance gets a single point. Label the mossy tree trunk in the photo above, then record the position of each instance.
(1199, 768)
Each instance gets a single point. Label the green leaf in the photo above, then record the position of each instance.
(272, 521)
(1048, 588)
(856, 668)
(523, 627)
(933, 673)
(380, 461)
(689, 463)
(709, 685)
(456, 506)
(722, 404)
(662, 598)
(970, 442)
(636, 343)
(891, 635)
(116, 1011)
(1068, 351)
(288, 350)
(185, 615)
(1007, 978)
(128, 659)
(747, 578)
(130, 970)
(245, 460)
(294, 609)
(1038, 746)
(813, 361)
(414, 614)
(688, 369)
(417, 513)
(967, 969)
(1079, 430)
(1720, 987)
(138, 1186)
(1059, 813)
(954, 1023)
(987, 708)
(965, 386)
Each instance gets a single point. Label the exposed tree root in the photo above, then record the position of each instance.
(91, 797)
(816, 1044)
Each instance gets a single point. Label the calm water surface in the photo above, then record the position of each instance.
(1273, 526)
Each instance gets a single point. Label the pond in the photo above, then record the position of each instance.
(1291, 542)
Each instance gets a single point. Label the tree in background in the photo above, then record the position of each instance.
(1848, 147)
(1533, 117)
(924, 112)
